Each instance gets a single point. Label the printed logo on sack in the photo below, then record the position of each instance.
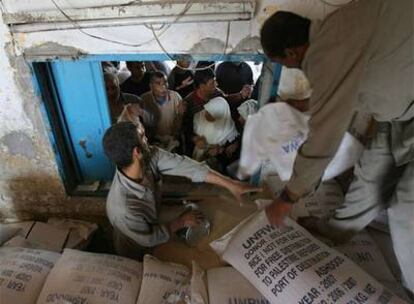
(294, 144)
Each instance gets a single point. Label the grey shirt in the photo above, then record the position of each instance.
(361, 57)
(133, 208)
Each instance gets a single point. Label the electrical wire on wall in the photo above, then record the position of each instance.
(156, 37)
(163, 27)
(326, 2)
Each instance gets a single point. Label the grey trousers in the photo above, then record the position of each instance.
(381, 181)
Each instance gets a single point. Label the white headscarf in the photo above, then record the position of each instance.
(222, 129)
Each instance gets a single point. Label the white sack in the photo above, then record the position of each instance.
(290, 266)
(276, 132)
(227, 286)
(164, 283)
(198, 285)
(22, 273)
(84, 277)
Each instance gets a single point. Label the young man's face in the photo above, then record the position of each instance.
(112, 89)
(210, 86)
(159, 87)
(137, 69)
(286, 61)
(293, 57)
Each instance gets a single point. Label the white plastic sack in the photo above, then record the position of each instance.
(290, 266)
(23, 272)
(164, 283)
(276, 132)
(84, 277)
(227, 286)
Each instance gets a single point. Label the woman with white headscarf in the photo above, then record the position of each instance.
(216, 133)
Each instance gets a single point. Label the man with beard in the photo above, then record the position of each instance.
(134, 200)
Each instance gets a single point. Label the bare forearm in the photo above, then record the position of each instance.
(216, 178)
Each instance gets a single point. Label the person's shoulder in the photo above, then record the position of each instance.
(189, 97)
(146, 77)
(146, 95)
(130, 98)
(126, 83)
(175, 96)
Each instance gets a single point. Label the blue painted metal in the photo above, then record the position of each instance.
(49, 129)
(277, 69)
(83, 101)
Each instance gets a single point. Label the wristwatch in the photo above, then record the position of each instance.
(284, 196)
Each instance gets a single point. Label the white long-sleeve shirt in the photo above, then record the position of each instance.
(361, 57)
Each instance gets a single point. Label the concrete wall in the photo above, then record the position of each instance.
(29, 181)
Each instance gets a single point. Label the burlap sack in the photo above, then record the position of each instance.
(227, 285)
(363, 250)
(83, 277)
(22, 273)
(290, 266)
(164, 283)
(198, 286)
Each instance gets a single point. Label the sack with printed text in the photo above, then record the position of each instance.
(288, 265)
(84, 277)
(23, 272)
(227, 286)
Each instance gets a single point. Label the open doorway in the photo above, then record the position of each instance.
(78, 109)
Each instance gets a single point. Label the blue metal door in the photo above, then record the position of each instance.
(83, 102)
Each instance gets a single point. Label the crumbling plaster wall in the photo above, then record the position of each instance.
(30, 185)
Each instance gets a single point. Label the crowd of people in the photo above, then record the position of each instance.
(192, 109)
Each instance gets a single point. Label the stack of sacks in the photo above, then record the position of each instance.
(83, 277)
(169, 283)
(289, 265)
(227, 286)
(23, 272)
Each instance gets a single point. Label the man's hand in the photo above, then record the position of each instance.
(231, 149)
(187, 219)
(238, 189)
(278, 211)
(215, 150)
(191, 218)
(186, 82)
(200, 141)
(246, 91)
